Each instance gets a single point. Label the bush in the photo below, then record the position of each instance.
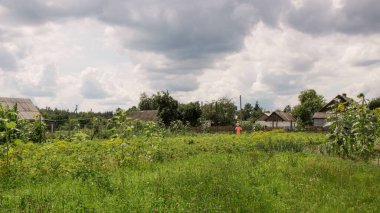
(374, 104)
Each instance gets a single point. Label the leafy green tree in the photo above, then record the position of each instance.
(310, 102)
(247, 111)
(374, 103)
(131, 109)
(190, 112)
(257, 111)
(148, 103)
(167, 107)
(220, 112)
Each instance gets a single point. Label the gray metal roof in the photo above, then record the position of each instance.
(25, 107)
(320, 115)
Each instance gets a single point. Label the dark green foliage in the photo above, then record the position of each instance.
(247, 111)
(221, 112)
(166, 105)
(190, 113)
(59, 118)
(252, 112)
(310, 102)
(148, 103)
(288, 108)
(374, 103)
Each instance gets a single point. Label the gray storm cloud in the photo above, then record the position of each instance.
(351, 17)
(190, 35)
(189, 38)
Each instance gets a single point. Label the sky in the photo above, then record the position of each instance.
(101, 55)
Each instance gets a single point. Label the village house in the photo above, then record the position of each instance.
(261, 120)
(283, 120)
(320, 117)
(25, 107)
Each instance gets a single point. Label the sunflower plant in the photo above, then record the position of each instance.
(354, 129)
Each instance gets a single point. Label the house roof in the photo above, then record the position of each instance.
(146, 115)
(284, 116)
(262, 117)
(342, 98)
(320, 115)
(25, 107)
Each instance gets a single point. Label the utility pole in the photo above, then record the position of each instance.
(241, 112)
(76, 109)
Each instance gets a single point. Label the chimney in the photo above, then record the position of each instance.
(344, 94)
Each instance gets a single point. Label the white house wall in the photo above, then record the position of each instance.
(282, 124)
(264, 123)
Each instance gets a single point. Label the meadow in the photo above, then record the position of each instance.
(255, 172)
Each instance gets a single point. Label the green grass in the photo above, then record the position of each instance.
(194, 173)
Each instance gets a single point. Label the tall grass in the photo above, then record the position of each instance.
(187, 173)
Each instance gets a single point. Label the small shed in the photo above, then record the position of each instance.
(25, 107)
(145, 115)
(280, 119)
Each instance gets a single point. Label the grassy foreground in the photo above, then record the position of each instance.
(262, 172)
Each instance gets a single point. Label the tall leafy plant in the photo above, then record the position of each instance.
(354, 129)
(9, 129)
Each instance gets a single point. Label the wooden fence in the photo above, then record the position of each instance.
(213, 129)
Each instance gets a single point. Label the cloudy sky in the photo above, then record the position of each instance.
(103, 54)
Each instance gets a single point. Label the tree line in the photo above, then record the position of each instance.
(221, 112)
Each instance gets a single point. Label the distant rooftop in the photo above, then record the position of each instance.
(147, 115)
(25, 107)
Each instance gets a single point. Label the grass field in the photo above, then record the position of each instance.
(260, 172)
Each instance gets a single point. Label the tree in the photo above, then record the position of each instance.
(220, 112)
(247, 111)
(310, 102)
(257, 111)
(147, 103)
(374, 103)
(167, 107)
(288, 108)
(190, 112)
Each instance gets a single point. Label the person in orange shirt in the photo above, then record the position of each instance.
(238, 129)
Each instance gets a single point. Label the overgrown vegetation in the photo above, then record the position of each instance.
(355, 129)
(263, 171)
(118, 165)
